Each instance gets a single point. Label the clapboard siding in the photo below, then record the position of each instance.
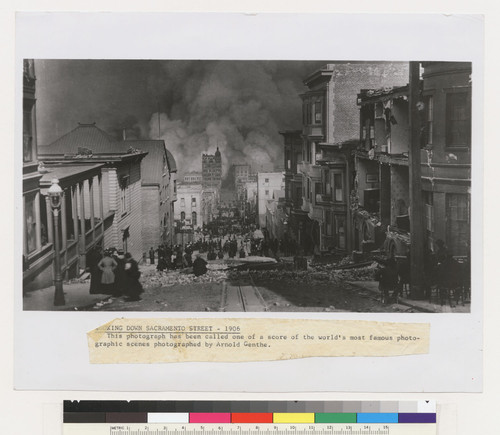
(131, 219)
(150, 217)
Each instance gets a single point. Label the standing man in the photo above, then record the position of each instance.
(152, 256)
(387, 278)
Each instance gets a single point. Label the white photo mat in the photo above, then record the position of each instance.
(51, 347)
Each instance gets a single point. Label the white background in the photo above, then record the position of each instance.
(58, 368)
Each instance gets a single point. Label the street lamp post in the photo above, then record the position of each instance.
(55, 195)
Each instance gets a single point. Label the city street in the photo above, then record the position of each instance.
(270, 290)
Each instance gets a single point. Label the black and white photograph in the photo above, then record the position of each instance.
(247, 185)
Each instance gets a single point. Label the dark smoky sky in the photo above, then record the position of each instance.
(239, 106)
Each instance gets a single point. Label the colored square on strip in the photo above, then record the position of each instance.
(377, 417)
(209, 417)
(293, 417)
(335, 417)
(126, 417)
(168, 417)
(332, 407)
(408, 406)
(417, 417)
(84, 417)
(252, 417)
(352, 406)
(389, 407)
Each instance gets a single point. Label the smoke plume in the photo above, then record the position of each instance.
(195, 106)
(237, 106)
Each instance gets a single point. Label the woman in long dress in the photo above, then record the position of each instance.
(133, 287)
(93, 258)
(107, 266)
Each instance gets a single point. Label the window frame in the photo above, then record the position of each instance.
(453, 92)
(334, 174)
(341, 219)
(318, 120)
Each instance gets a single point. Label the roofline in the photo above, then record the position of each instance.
(80, 124)
(319, 73)
(95, 158)
(71, 178)
(398, 92)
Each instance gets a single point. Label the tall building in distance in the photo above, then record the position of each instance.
(192, 178)
(267, 184)
(211, 169)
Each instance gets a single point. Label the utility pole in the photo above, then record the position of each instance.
(416, 206)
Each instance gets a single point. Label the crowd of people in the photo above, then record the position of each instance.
(114, 272)
(242, 246)
(441, 270)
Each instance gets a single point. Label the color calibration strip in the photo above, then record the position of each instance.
(277, 412)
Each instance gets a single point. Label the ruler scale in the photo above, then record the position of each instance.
(228, 429)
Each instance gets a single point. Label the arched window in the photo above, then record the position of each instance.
(193, 218)
(183, 215)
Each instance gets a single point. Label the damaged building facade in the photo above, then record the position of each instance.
(381, 194)
(380, 199)
(329, 135)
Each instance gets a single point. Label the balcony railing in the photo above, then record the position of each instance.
(99, 230)
(88, 238)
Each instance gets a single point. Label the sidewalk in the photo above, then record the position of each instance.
(423, 306)
(76, 296)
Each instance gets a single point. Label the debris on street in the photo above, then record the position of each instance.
(322, 273)
(166, 279)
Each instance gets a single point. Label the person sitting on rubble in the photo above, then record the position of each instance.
(199, 266)
(188, 262)
(211, 254)
(387, 278)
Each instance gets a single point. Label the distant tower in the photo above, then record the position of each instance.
(211, 166)
(218, 166)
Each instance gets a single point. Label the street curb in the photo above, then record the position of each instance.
(401, 301)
